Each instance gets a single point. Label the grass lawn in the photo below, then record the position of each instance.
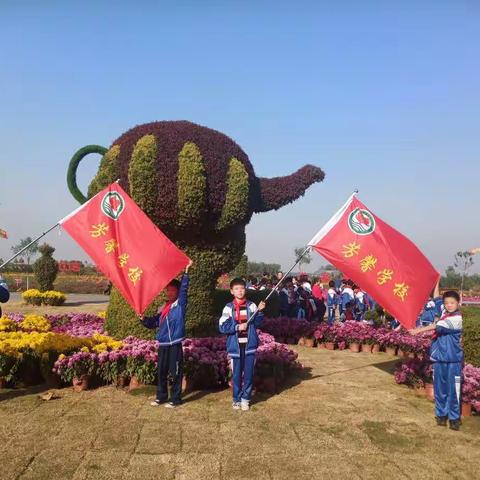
(346, 419)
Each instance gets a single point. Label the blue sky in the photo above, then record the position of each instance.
(384, 96)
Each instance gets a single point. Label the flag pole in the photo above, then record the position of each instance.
(281, 280)
(29, 245)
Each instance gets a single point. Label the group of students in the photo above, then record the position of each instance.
(301, 298)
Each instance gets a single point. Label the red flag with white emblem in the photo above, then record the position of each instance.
(379, 259)
(125, 245)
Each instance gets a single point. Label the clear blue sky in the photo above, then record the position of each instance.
(384, 96)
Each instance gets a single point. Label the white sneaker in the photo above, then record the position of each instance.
(245, 405)
(155, 403)
(236, 405)
(171, 405)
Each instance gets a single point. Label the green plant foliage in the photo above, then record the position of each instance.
(121, 320)
(72, 169)
(45, 268)
(191, 186)
(471, 335)
(241, 270)
(142, 175)
(235, 208)
(108, 172)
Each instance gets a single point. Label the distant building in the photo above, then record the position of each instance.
(69, 266)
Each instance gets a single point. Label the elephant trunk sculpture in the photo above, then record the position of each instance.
(199, 187)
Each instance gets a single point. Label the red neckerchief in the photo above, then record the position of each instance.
(238, 304)
(165, 310)
(443, 317)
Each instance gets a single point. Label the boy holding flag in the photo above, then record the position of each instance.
(170, 321)
(239, 321)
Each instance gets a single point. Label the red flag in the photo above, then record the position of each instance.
(379, 259)
(125, 245)
(3, 234)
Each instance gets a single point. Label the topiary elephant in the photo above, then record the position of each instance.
(198, 186)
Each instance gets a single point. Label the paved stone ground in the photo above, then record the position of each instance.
(76, 302)
(346, 419)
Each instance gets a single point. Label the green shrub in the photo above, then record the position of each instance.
(191, 186)
(108, 171)
(45, 268)
(142, 175)
(122, 321)
(235, 208)
(471, 335)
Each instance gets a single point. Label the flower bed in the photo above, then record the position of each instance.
(50, 297)
(76, 348)
(288, 328)
(416, 373)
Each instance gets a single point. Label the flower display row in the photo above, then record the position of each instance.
(417, 373)
(76, 349)
(50, 297)
(347, 334)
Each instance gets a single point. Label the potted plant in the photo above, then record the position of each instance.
(470, 389)
(77, 368)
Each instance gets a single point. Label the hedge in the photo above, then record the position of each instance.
(122, 321)
(471, 335)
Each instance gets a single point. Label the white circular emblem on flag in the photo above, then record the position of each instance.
(361, 222)
(113, 205)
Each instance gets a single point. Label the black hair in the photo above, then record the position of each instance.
(451, 294)
(174, 283)
(237, 281)
(331, 283)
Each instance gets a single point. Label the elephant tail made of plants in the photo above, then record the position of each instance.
(73, 166)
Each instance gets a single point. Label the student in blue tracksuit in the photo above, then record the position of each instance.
(242, 341)
(332, 302)
(446, 353)
(170, 322)
(4, 292)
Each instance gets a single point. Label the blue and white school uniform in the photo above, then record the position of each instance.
(332, 302)
(446, 353)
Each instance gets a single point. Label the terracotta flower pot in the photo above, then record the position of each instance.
(309, 342)
(429, 393)
(330, 346)
(419, 391)
(52, 380)
(135, 383)
(354, 347)
(466, 409)
(375, 348)
(188, 387)
(3, 382)
(121, 381)
(301, 341)
(81, 383)
(366, 348)
(391, 350)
